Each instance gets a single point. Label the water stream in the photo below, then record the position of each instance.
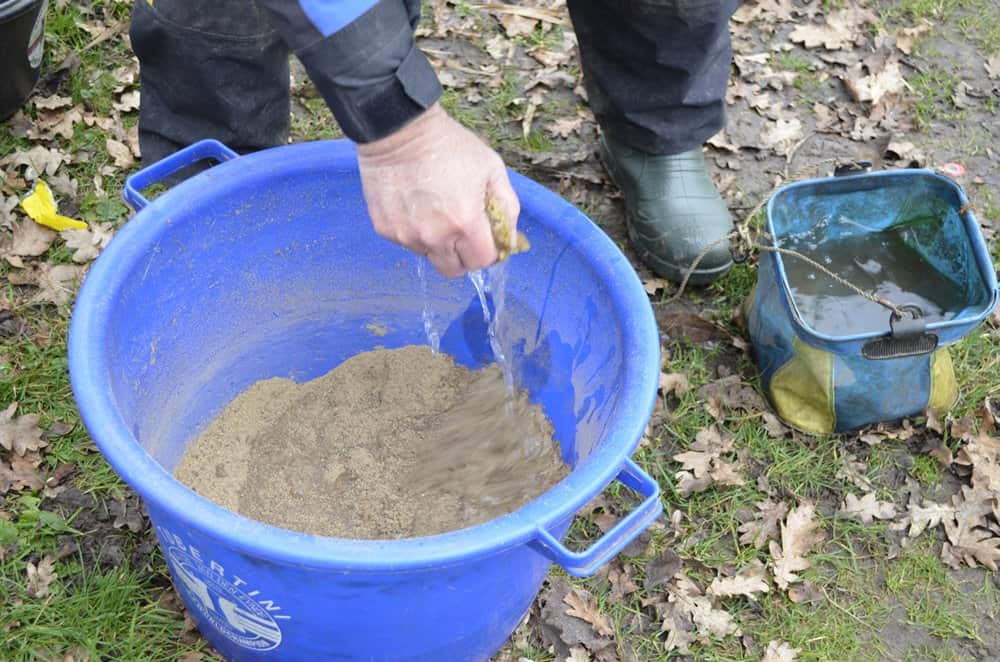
(430, 326)
(490, 285)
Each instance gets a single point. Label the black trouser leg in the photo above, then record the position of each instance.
(656, 70)
(209, 70)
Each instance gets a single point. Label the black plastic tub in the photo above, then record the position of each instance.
(22, 38)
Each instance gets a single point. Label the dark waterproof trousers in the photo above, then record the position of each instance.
(655, 72)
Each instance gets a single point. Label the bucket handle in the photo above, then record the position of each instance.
(188, 156)
(586, 563)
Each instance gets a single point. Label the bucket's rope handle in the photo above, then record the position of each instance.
(747, 245)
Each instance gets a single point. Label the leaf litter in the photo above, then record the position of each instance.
(799, 534)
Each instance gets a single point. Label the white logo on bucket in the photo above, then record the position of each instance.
(36, 40)
(218, 598)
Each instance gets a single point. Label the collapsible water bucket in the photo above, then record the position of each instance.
(22, 38)
(267, 265)
(827, 381)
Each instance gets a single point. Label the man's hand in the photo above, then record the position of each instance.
(426, 188)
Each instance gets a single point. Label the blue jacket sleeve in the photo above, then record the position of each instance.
(362, 56)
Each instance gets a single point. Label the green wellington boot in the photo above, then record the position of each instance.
(673, 211)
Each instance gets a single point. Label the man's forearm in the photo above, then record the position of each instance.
(363, 59)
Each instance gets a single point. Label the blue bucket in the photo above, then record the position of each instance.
(266, 265)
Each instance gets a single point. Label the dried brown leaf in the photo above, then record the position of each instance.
(697, 462)
(674, 382)
(774, 427)
(907, 38)
(876, 87)
(127, 102)
(515, 25)
(726, 473)
(855, 472)
(561, 631)
(564, 127)
(21, 473)
(779, 651)
(654, 285)
(621, 581)
(40, 577)
(733, 394)
(766, 524)
(799, 534)
(56, 123)
(970, 546)
(20, 434)
(709, 621)
(772, 10)
(928, 515)
(30, 239)
(56, 284)
(782, 135)
(583, 606)
(867, 508)
(840, 31)
(41, 160)
(993, 66)
(52, 102)
(87, 244)
(119, 152)
(746, 583)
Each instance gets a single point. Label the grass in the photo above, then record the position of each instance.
(929, 597)
(37, 379)
(977, 20)
(926, 469)
(932, 91)
(106, 614)
(977, 360)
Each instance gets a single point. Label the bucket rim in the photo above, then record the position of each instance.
(166, 496)
(959, 325)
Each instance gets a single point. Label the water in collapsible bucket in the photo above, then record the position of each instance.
(882, 262)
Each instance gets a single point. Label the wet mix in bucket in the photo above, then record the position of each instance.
(390, 444)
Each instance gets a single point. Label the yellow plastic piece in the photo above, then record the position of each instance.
(944, 387)
(40, 205)
(802, 389)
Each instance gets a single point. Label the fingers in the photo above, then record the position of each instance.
(447, 261)
(476, 247)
